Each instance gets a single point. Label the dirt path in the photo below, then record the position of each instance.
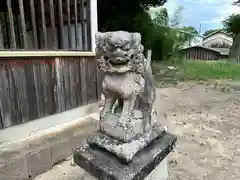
(207, 123)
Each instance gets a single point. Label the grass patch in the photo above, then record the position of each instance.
(204, 70)
(196, 70)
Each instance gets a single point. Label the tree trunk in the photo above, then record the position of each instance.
(234, 53)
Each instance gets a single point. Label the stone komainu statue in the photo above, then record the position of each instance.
(128, 78)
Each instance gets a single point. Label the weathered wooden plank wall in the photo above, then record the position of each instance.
(197, 53)
(45, 24)
(34, 88)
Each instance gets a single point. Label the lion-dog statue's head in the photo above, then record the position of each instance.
(120, 51)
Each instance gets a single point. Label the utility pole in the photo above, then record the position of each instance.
(200, 28)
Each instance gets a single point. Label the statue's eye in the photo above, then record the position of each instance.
(110, 46)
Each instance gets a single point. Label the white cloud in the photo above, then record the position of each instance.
(208, 13)
(222, 10)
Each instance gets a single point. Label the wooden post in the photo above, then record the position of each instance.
(1, 37)
(69, 25)
(60, 10)
(53, 25)
(89, 37)
(44, 28)
(83, 24)
(23, 24)
(11, 25)
(76, 25)
(149, 55)
(34, 26)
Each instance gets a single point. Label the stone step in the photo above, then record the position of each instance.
(35, 154)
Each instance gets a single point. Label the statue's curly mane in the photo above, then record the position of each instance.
(137, 63)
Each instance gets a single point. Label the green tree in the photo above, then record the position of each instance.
(161, 41)
(115, 15)
(189, 34)
(167, 37)
(146, 27)
(128, 15)
(158, 33)
(232, 25)
(161, 18)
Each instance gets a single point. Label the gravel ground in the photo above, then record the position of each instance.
(206, 122)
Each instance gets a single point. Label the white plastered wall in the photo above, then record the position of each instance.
(94, 22)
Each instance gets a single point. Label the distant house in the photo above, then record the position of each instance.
(214, 46)
(224, 52)
(218, 39)
(200, 53)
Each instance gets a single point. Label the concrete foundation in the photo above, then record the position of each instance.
(33, 148)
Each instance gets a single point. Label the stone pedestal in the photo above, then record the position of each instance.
(148, 163)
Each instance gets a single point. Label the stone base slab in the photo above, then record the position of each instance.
(125, 151)
(103, 165)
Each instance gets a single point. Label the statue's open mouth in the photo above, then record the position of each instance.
(119, 62)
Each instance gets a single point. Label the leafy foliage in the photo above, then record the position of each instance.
(167, 37)
(115, 15)
(159, 33)
(161, 18)
(189, 37)
(161, 41)
(128, 15)
(145, 26)
(232, 24)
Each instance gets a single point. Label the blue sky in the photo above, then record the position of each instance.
(208, 13)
